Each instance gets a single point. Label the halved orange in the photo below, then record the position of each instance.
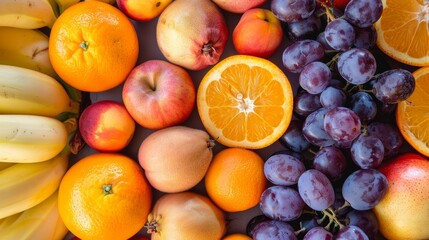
(412, 114)
(245, 101)
(403, 31)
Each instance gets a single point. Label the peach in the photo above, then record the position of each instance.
(238, 6)
(258, 33)
(106, 126)
(142, 10)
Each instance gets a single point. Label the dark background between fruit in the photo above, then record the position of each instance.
(148, 50)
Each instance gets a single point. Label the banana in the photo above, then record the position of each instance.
(30, 138)
(27, 48)
(25, 91)
(64, 4)
(29, 14)
(41, 222)
(24, 185)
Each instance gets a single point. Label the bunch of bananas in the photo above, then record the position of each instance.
(38, 118)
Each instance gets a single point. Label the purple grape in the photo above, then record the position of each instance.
(367, 151)
(331, 162)
(283, 169)
(342, 124)
(293, 137)
(364, 105)
(333, 97)
(357, 65)
(273, 230)
(281, 203)
(307, 28)
(322, 40)
(340, 34)
(364, 188)
(365, 220)
(300, 53)
(313, 129)
(394, 85)
(287, 151)
(365, 37)
(306, 103)
(389, 135)
(363, 13)
(318, 233)
(315, 77)
(253, 222)
(292, 10)
(316, 190)
(351, 232)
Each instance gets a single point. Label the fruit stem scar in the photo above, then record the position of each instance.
(107, 189)
(208, 49)
(84, 45)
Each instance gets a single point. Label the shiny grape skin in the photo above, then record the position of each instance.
(342, 124)
(273, 230)
(333, 97)
(363, 13)
(322, 40)
(365, 37)
(365, 220)
(253, 222)
(331, 161)
(364, 105)
(367, 151)
(313, 129)
(393, 86)
(389, 135)
(351, 232)
(307, 28)
(300, 53)
(316, 190)
(305, 103)
(293, 137)
(357, 65)
(318, 233)
(292, 10)
(340, 34)
(315, 77)
(283, 169)
(364, 188)
(281, 203)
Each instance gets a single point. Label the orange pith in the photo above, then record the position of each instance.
(411, 115)
(245, 101)
(403, 31)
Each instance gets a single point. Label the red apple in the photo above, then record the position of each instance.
(142, 10)
(106, 126)
(238, 6)
(404, 211)
(192, 33)
(159, 94)
(258, 33)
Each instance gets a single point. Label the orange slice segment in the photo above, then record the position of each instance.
(412, 114)
(403, 31)
(245, 101)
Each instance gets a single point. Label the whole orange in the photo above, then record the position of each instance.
(104, 196)
(93, 46)
(235, 179)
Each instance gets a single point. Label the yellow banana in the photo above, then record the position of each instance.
(25, 91)
(30, 14)
(24, 185)
(41, 222)
(30, 138)
(27, 48)
(64, 4)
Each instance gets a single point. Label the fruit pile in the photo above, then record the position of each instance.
(214, 119)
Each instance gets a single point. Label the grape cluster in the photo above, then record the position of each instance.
(325, 183)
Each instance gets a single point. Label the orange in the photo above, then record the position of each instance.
(411, 115)
(93, 46)
(235, 179)
(104, 196)
(245, 101)
(237, 236)
(403, 32)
